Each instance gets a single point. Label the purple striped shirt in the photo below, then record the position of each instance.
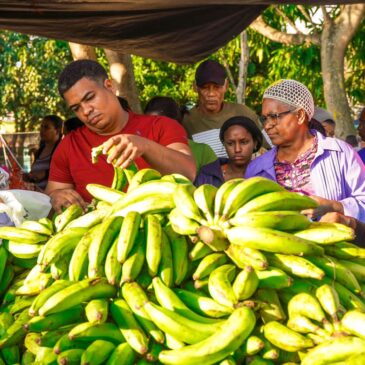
(337, 173)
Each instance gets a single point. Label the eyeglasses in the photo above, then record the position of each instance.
(274, 117)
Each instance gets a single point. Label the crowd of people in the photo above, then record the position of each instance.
(293, 142)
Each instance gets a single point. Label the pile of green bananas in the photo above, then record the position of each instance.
(173, 274)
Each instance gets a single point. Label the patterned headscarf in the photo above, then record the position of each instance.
(291, 92)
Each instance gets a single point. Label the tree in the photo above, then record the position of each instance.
(122, 73)
(332, 34)
(82, 51)
(157, 78)
(28, 83)
(239, 85)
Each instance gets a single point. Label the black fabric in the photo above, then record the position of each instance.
(183, 31)
(182, 35)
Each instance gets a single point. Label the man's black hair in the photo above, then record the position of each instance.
(352, 140)
(314, 124)
(71, 124)
(76, 70)
(164, 105)
(124, 103)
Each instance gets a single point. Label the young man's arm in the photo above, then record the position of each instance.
(63, 195)
(173, 158)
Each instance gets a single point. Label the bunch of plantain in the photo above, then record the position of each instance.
(158, 271)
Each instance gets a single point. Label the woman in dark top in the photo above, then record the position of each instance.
(241, 138)
(51, 135)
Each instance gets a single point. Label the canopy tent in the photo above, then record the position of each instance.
(181, 31)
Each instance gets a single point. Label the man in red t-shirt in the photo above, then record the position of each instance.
(152, 141)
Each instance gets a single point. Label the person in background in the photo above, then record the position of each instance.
(32, 150)
(241, 139)
(313, 124)
(211, 110)
(163, 105)
(361, 130)
(305, 161)
(50, 137)
(326, 119)
(149, 141)
(71, 124)
(352, 141)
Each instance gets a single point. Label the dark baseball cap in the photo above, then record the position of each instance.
(210, 71)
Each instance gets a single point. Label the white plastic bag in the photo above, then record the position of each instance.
(4, 179)
(24, 204)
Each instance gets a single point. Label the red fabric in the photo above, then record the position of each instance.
(16, 176)
(71, 161)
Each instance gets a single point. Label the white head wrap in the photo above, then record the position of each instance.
(291, 92)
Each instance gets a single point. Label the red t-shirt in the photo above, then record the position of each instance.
(71, 161)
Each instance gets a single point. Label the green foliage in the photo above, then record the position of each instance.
(286, 62)
(28, 83)
(156, 78)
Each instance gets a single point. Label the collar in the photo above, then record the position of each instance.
(326, 143)
(266, 161)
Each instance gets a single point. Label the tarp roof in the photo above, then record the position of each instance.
(182, 31)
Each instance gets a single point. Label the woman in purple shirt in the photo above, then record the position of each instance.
(303, 160)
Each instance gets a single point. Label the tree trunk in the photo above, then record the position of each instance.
(333, 41)
(335, 37)
(122, 73)
(82, 52)
(242, 67)
(332, 63)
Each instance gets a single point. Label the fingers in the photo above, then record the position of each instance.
(75, 198)
(61, 199)
(125, 150)
(119, 144)
(110, 143)
(127, 157)
(313, 214)
(335, 217)
(332, 217)
(57, 206)
(308, 213)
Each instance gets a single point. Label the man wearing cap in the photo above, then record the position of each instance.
(212, 111)
(326, 119)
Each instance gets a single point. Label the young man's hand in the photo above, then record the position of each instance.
(63, 198)
(123, 149)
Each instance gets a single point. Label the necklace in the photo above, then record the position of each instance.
(224, 169)
(234, 174)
